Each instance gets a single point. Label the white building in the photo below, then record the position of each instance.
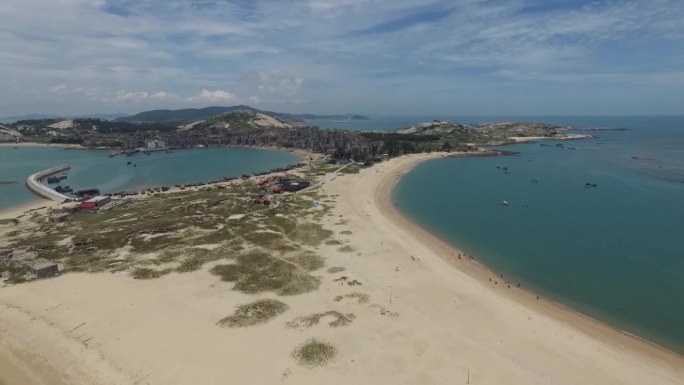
(154, 144)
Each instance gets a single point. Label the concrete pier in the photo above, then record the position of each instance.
(33, 184)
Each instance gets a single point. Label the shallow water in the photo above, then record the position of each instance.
(95, 169)
(614, 252)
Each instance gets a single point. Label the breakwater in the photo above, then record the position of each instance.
(33, 184)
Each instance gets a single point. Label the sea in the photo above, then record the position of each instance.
(596, 224)
(95, 169)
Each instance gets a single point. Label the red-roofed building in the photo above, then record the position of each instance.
(86, 206)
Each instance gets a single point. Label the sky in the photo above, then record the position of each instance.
(383, 57)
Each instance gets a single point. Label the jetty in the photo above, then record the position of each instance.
(33, 184)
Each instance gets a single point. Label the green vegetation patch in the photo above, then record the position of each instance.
(359, 297)
(254, 313)
(308, 260)
(310, 234)
(146, 273)
(345, 249)
(257, 272)
(308, 321)
(314, 352)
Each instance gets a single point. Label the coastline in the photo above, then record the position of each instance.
(449, 252)
(304, 156)
(38, 204)
(36, 144)
(431, 320)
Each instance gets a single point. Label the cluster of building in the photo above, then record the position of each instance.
(92, 204)
(309, 138)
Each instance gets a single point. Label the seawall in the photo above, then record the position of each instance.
(33, 184)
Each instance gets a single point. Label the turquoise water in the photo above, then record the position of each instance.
(95, 169)
(614, 252)
(389, 123)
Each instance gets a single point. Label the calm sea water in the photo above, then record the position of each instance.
(614, 252)
(95, 169)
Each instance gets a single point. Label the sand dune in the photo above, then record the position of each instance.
(430, 319)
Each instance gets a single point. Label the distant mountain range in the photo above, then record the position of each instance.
(189, 115)
(12, 119)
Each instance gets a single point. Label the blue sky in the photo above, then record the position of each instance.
(461, 57)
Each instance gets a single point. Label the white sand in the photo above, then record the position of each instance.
(434, 321)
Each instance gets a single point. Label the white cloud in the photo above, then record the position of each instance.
(135, 97)
(58, 89)
(275, 82)
(88, 53)
(217, 96)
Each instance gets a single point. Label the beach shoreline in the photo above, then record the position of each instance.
(11, 212)
(430, 318)
(26, 208)
(476, 269)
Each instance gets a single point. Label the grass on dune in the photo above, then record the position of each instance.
(313, 353)
(254, 313)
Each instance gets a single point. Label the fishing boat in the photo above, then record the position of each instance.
(504, 203)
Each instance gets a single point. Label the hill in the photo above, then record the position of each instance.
(491, 133)
(189, 115)
(183, 115)
(436, 127)
(13, 119)
(9, 135)
(240, 121)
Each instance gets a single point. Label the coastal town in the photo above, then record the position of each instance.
(245, 128)
(305, 253)
(250, 128)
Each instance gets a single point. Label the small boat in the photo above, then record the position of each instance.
(534, 181)
(504, 203)
(88, 192)
(587, 185)
(128, 163)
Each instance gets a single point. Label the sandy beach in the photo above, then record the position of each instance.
(430, 318)
(39, 205)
